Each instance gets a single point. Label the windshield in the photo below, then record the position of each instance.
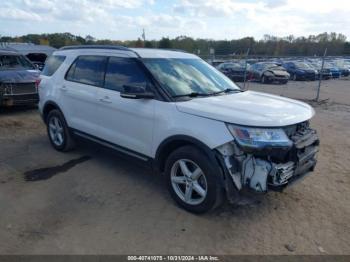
(14, 62)
(185, 76)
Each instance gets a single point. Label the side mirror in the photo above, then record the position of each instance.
(136, 92)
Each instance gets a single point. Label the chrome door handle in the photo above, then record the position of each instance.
(63, 88)
(106, 99)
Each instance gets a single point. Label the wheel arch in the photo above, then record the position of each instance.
(49, 106)
(172, 143)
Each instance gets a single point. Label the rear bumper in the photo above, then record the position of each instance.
(19, 99)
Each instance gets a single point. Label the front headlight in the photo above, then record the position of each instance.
(258, 138)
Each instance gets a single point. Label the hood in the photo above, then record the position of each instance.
(18, 76)
(249, 108)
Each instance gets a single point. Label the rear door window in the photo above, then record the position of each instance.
(124, 71)
(52, 64)
(87, 70)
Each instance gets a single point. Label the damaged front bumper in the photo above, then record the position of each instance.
(269, 168)
(12, 94)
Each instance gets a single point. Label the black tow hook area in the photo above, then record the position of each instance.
(48, 172)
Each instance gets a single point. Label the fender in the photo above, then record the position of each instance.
(173, 142)
(49, 104)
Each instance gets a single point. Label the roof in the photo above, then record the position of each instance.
(130, 52)
(162, 53)
(113, 47)
(8, 52)
(28, 48)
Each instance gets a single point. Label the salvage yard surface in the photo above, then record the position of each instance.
(91, 201)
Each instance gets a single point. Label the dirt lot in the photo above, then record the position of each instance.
(108, 205)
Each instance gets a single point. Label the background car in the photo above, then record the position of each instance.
(341, 66)
(317, 64)
(300, 70)
(39, 65)
(18, 80)
(233, 70)
(336, 73)
(267, 72)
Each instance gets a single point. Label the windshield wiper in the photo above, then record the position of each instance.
(227, 90)
(193, 94)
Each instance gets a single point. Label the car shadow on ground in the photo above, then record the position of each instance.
(144, 175)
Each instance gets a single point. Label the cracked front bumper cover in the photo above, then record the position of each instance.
(272, 169)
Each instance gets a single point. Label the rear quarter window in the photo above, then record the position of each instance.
(52, 64)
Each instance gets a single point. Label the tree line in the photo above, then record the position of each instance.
(311, 45)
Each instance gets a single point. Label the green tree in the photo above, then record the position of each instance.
(165, 43)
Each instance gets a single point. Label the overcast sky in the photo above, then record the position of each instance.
(216, 19)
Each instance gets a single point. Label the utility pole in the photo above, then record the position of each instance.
(212, 53)
(320, 77)
(143, 36)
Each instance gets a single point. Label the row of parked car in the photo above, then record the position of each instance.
(281, 71)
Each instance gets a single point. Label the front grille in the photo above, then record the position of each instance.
(281, 173)
(19, 88)
(300, 159)
(24, 99)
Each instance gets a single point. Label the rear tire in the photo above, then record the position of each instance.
(58, 132)
(193, 180)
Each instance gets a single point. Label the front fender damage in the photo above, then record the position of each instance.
(244, 169)
(268, 169)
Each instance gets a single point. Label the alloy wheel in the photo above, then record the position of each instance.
(189, 182)
(56, 131)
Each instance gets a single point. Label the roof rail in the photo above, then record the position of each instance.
(174, 49)
(113, 47)
(116, 47)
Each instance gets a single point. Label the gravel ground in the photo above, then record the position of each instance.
(106, 204)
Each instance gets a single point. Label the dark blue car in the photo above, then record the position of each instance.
(337, 69)
(18, 80)
(300, 70)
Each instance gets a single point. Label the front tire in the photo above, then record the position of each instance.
(193, 181)
(58, 132)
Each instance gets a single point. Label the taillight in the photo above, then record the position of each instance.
(37, 83)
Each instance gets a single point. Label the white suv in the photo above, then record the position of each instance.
(173, 110)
